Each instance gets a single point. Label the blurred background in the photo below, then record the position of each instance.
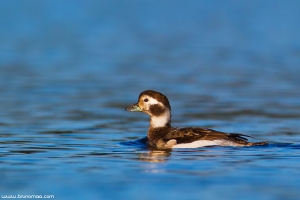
(152, 43)
(69, 68)
(223, 52)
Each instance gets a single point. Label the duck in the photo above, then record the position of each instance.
(161, 135)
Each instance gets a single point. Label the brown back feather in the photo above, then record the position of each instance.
(187, 135)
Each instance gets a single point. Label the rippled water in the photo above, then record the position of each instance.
(68, 71)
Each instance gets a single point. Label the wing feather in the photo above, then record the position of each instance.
(187, 135)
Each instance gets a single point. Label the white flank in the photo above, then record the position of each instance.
(199, 143)
(160, 121)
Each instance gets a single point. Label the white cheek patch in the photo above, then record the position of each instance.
(151, 101)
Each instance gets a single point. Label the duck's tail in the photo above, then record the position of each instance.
(258, 143)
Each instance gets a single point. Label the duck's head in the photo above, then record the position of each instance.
(154, 104)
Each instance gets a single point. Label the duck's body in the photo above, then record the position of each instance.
(162, 135)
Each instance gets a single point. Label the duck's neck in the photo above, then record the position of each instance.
(159, 127)
(161, 121)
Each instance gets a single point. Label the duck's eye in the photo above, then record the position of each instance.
(145, 100)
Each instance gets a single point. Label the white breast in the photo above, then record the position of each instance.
(199, 143)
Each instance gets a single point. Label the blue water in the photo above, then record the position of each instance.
(69, 69)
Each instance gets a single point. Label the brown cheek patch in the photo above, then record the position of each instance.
(157, 110)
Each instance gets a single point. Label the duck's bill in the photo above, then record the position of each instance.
(134, 108)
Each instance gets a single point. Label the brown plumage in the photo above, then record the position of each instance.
(161, 135)
(187, 135)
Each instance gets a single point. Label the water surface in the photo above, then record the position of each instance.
(68, 71)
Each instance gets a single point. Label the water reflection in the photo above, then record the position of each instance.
(155, 156)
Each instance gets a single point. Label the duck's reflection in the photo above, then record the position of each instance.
(155, 156)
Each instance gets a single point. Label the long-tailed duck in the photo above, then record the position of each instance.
(162, 135)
